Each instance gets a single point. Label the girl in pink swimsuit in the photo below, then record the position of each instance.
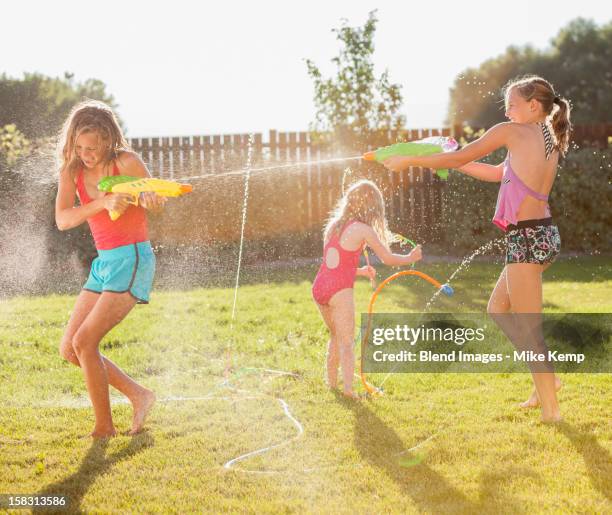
(358, 220)
(536, 135)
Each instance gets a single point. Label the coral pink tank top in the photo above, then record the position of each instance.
(130, 227)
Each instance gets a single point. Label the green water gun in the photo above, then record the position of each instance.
(422, 147)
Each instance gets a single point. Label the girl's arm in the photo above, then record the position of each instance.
(386, 256)
(366, 271)
(491, 140)
(129, 163)
(68, 216)
(483, 171)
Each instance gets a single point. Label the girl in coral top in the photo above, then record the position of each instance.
(90, 148)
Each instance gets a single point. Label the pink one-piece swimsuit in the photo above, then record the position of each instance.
(330, 281)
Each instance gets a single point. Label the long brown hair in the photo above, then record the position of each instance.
(534, 87)
(89, 116)
(362, 201)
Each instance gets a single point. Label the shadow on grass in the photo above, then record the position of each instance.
(597, 460)
(93, 465)
(428, 489)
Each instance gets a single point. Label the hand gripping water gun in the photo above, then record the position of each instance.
(422, 147)
(134, 186)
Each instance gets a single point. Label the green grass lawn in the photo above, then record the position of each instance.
(433, 443)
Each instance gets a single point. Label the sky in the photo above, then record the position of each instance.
(194, 67)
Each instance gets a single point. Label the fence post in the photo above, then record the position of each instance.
(196, 168)
(165, 151)
(216, 152)
(175, 156)
(258, 148)
(186, 160)
(145, 153)
(156, 156)
(273, 145)
(304, 181)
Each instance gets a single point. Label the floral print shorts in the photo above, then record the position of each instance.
(532, 241)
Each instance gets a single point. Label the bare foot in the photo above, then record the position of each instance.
(102, 433)
(142, 405)
(332, 381)
(331, 386)
(553, 419)
(351, 395)
(534, 401)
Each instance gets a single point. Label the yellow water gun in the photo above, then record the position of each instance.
(134, 186)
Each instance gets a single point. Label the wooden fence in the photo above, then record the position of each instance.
(295, 181)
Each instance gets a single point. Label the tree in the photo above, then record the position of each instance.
(32, 111)
(38, 105)
(355, 104)
(13, 145)
(578, 64)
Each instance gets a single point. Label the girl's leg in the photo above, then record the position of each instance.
(533, 401)
(333, 353)
(138, 395)
(525, 290)
(499, 309)
(343, 316)
(499, 302)
(108, 311)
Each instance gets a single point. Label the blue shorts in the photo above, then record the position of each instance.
(129, 268)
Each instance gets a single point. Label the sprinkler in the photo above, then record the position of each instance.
(447, 289)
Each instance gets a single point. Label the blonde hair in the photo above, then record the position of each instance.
(534, 87)
(85, 117)
(362, 201)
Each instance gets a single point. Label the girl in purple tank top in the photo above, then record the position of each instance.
(536, 135)
(358, 220)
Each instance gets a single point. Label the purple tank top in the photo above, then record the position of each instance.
(512, 192)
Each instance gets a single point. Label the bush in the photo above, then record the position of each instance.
(580, 201)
